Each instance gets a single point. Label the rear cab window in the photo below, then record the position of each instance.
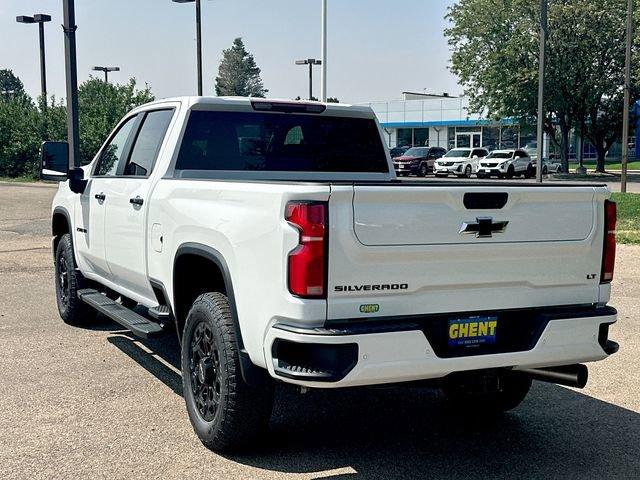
(233, 141)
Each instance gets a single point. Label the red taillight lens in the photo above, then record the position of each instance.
(307, 263)
(609, 251)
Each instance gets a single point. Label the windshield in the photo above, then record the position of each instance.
(273, 142)
(417, 152)
(500, 155)
(458, 154)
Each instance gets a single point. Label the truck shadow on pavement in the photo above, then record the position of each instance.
(402, 432)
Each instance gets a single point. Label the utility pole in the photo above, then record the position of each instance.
(627, 99)
(40, 19)
(543, 49)
(323, 80)
(311, 62)
(198, 39)
(71, 69)
(106, 71)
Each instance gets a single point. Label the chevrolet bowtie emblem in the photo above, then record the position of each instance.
(484, 227)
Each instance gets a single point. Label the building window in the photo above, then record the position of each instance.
(491, 137)
(510, 137)
(420, 137)
(405, 137)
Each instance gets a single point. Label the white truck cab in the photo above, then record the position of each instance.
(241, 225)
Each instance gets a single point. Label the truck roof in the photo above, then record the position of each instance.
(191, 101)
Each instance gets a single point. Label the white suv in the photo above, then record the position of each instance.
(506, 163)
(460, 161)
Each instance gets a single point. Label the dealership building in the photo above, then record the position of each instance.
(445, 121)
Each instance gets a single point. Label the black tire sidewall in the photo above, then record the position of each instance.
(204, 429)
(74, 312)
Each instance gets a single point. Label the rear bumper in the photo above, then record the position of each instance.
(345, 357)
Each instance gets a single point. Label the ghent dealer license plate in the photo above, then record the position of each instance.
(472, 331)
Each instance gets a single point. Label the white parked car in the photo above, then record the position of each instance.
(460, 161)
(506, 163)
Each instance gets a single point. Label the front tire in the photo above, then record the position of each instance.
(468, 171)
(512, 389)
(69, 280)
(510, 172)
(225, 412)
(423, 171)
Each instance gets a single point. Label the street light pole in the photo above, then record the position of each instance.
(627, 99)
(71, 70)
(543, 45)
(323, 80)
(106, 71)
(198, 39)
(40, 19)
(311, 62)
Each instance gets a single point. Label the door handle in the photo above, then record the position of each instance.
(136, 201)
(101, 197)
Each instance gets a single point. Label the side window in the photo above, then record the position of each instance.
(112, 153)
(147, 144)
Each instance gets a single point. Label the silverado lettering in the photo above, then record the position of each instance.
(369, 288)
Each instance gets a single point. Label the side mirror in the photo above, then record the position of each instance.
(474, 157)
(54, 164)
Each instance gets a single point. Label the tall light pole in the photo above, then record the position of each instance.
(40, 19)
(311, 62)
(323, 80)
(543, 49)
(198, 40)
(71, 70)
(627, 99)
(106, 71)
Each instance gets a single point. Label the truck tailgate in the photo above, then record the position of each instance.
(417, 249)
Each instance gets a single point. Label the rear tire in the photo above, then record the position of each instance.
(513, 388)
(225, 412)
(69, 280)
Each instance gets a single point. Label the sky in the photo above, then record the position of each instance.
(376, 49)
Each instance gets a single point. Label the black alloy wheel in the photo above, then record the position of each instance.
(204, 371)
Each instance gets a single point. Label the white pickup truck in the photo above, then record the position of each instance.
(277, 255)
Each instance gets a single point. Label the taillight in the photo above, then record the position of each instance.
(307, 263)
(609, 250)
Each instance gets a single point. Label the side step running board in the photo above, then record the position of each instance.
(137, 324)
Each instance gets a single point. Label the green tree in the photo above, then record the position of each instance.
(19, 137)
(10, 85)
(238, 74)
(102, 105)
(495, 54)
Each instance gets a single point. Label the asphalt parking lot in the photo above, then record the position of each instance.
(98, 403)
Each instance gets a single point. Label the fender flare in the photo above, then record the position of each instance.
(59, 210)
(251, 373)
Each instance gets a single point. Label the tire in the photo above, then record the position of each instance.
(225, 412)
(423, 170)
(464, 395)
(510, 172)
(69, 280)
(468, 171)
(529, 173)
(545, 171)
(559, 170)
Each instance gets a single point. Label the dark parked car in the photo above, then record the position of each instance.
(398, 151)
(418, 161)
